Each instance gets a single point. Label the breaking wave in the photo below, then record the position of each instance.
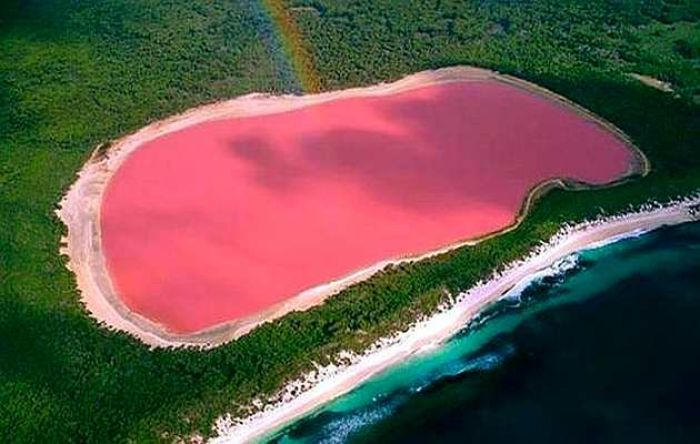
(549, 277)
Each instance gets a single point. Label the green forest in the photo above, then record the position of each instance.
(74, 75)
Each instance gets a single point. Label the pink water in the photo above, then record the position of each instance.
(224, 219)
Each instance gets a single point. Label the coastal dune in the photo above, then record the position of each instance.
(196, 229)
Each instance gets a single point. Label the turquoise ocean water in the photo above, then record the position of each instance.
(607, 350)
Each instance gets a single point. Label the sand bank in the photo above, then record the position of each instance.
(80, 209)
(653, 82)
(328, 383)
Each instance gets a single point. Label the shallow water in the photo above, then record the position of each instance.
(606, 350)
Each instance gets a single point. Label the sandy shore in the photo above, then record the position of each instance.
(328, 383)
(80, 208)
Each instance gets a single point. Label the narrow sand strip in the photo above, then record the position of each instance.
(80, 208)
(653, 82)
(323, 386)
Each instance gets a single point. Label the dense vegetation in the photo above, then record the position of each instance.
(76, 74)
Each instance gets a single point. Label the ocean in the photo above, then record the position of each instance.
(602, 348)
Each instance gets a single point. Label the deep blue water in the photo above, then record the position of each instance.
(606, 352)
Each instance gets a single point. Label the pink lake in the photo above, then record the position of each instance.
(224, 219)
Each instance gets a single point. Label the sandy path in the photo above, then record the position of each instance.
(80, 208)
(429, 334)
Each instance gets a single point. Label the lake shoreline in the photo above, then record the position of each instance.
(80, 207)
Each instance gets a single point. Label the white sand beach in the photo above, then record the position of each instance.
(328, 383)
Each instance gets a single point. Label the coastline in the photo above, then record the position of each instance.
(303, 396)
(80, 207)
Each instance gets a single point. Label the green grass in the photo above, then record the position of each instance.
(74, 75)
